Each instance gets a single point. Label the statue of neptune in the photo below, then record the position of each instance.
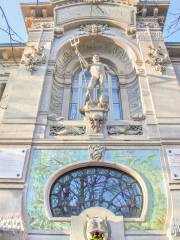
(98, 72)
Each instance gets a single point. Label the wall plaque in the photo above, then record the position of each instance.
(12, 162)
(174, 162)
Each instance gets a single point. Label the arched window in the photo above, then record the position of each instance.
(97, 186)
(79, 87)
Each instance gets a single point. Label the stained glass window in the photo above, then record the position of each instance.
(79, 87)
(88, 187)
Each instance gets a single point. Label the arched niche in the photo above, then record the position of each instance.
(67, 62)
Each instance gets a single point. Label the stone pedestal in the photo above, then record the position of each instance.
(96, 115)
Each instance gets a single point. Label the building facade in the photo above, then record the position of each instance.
(90, 124)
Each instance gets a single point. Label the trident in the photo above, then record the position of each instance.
(74, 41)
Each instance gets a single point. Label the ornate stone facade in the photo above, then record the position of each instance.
(89, 124)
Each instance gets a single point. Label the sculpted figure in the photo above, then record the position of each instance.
(97, 227)
(98, 72)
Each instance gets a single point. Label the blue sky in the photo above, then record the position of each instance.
(15, 18)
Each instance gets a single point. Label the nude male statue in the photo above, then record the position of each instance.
(98, 72)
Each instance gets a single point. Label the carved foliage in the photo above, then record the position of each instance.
(157, 59)
(34, 58)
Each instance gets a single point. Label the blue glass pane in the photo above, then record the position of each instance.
(115, 83)
(74, 98)
(106, 83)
(116, 111)
(96, 187)
(73, 111)
(75, 83)
(115, 95)
(87, 74)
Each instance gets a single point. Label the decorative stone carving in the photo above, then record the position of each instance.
(103, 220)
(138, 117)
(34, 58)
(147, 22)
(131, 30)
(11, 223)
(96, 113)
(66, 130)
(125, 130)
(175, 227)
(157, 59)
(58, 32)
(55, 117)
(96, 152)
(97, 227)
(59, 129)
(93, 28)
(144, 12)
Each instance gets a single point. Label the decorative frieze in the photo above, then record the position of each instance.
(96, 152)
(66, 130)
(125, 130)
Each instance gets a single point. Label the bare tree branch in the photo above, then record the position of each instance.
(11, 33)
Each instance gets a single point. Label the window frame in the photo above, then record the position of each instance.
(85, 164)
